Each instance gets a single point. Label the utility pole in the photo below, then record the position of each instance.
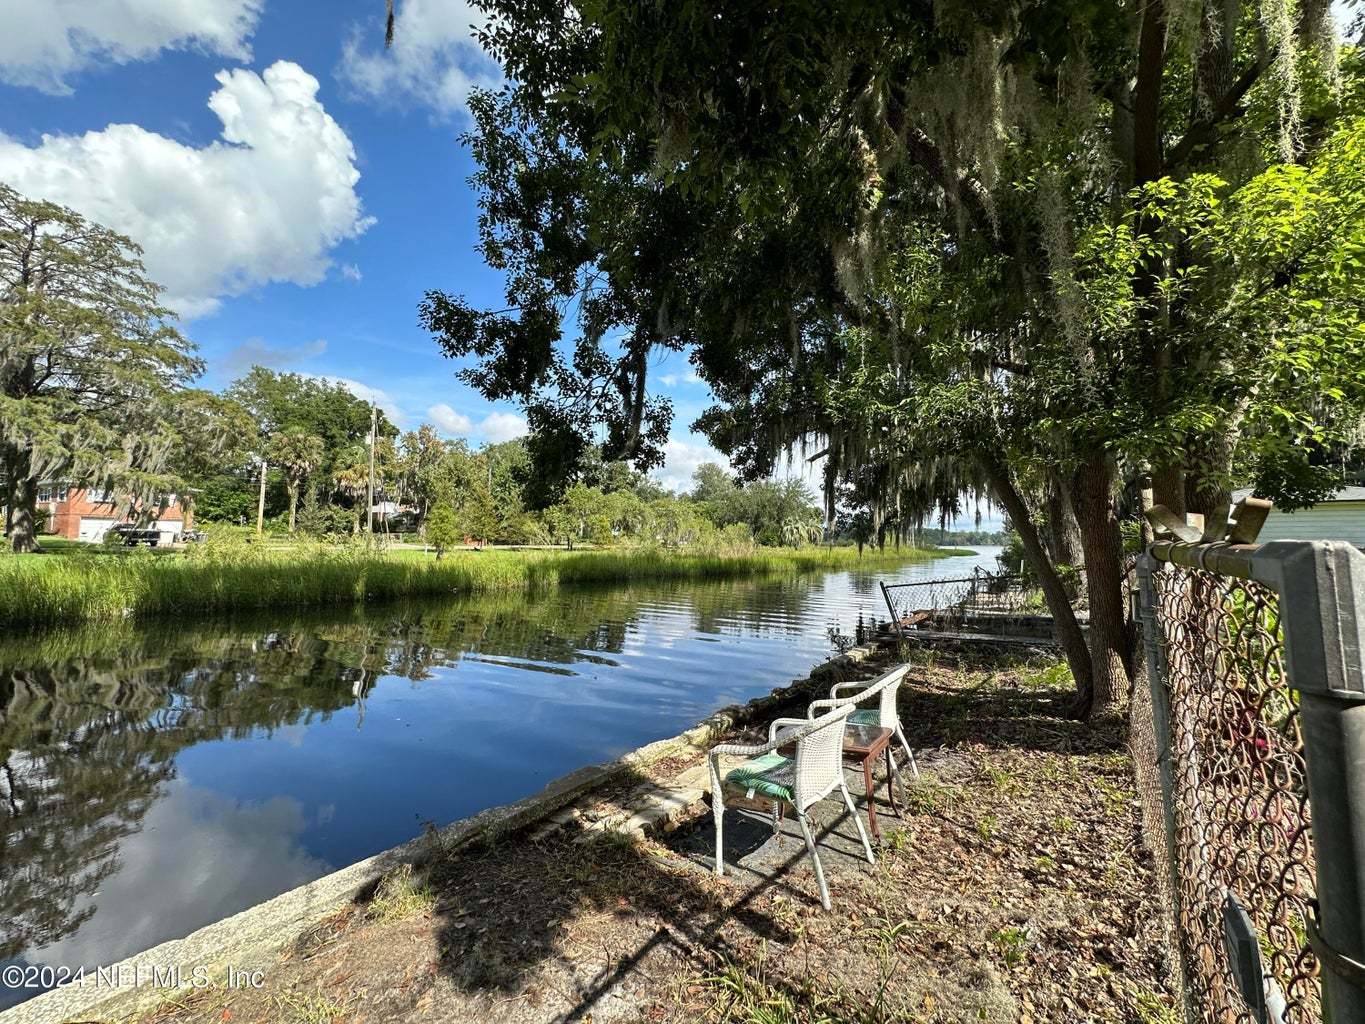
(260, 501)
(369, 488)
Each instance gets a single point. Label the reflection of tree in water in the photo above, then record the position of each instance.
(862, 583)
(90, 724)
(91, 720)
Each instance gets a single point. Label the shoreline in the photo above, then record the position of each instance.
(249, 939)
(76, 589)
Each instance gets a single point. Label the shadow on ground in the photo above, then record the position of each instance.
(506, 911)
(1009, 888)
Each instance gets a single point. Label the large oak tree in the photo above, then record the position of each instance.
(953, 245)
(89, 363)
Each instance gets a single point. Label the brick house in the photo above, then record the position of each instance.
(78, 513)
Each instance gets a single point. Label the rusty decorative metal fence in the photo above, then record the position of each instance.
(1240, 829)
(1254, 659)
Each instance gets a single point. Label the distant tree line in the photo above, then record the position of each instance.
(947, 538)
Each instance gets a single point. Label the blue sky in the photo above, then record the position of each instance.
(296, 187)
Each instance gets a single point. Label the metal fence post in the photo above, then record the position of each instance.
(1322, 614)
(1154, 654)
(891, 610)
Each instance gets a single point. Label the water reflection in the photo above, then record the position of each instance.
(197, 857)
(155, 779)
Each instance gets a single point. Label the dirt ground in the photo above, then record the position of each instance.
(1013, 888)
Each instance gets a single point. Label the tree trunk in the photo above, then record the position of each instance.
(1064, 624)
(1110, 652)
(1168, 485)
(7, 467)
(1149, 160)
(1063, 533)
(23, 532)
(1206, 490)
(186, 513)
(293, 506)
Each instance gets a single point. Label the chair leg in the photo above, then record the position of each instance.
(777, 816)
(900, 735)
(896, 778)
(718, 812)
(815, 857)
(857, 820)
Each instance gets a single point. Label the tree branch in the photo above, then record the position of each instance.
(1205, 130)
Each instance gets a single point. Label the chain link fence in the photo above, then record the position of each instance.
(984, 599)
(1237, 819)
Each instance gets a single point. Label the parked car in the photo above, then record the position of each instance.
(131, 535)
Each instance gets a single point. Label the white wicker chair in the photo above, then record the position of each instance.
(816, 771)
(885, 688)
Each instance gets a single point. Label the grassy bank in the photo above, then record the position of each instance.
(73, 588)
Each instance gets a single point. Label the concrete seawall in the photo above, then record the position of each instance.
(251, 939)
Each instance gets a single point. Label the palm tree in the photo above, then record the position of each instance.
(353, 479)
(297, 454)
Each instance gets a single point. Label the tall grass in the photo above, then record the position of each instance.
(92, 588)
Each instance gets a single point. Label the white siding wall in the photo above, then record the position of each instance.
(1333, 520)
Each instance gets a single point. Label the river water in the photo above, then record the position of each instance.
(156, 779)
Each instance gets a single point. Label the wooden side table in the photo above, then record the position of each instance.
(864, 744)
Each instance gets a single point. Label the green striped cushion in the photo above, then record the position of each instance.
(869, 717)
(772, 775)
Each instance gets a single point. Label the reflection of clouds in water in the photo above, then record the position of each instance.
(199, 857)
(291, 734)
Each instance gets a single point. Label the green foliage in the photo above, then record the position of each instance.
(956, 249)
(317, 519)
(225, 498)
(296, 454)
(442, 530)
(400, 895)
(1012, 943)
(290, 403)
(90, 368)
(774, 512)
(958, 538)
(1270, 297)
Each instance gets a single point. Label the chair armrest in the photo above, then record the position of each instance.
(857, 685)
(755, 749)
(740, 749)
(824, 704)
(776, 723)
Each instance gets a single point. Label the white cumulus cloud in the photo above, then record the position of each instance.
(366, 393)
(435, 59)
(502, 426)
(450, 421)
(46, 41)
(268, 202)
(494, 428)
(255, 352)
(672, 380)
(681, 459)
